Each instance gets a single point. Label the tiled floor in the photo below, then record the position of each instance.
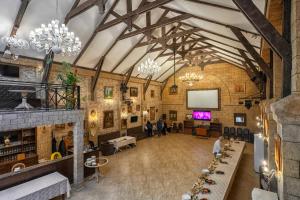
(158, 168)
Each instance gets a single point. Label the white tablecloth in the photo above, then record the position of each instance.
(259, 194)
(43, 188)
(221, 189)
(122, 141)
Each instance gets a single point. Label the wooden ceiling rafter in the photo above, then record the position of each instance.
(96, 77)
(135, 46)
(209, 20)
(19, 17)
(156, 25)
(281, 44)
(87, 44)
(215, 5)
(260, 61)
(212, 32)
(77, 10)
(220, 49)
(138, 11)
(166, 38)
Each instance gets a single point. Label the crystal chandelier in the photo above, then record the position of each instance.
(14, 42)
(149, 67)
(191, 77)
(55, 38)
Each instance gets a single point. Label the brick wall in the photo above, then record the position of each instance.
(223, 76)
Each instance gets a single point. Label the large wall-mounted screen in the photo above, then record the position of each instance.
(208, 99)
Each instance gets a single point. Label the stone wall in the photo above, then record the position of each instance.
(30, 71)
(223, 76)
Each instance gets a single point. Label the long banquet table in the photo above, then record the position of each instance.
(222, 188)
(43, 188)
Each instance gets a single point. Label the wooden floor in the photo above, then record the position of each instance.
(163, 169)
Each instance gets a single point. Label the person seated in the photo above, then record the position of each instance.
(218, 146)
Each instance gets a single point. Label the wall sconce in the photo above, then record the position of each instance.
(145, 113)
(93, 115)
(124, 115)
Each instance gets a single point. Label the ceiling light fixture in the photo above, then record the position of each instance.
(14, 42)
(55, 38)
(191, 77)
(149, 67)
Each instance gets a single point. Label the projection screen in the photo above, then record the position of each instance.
(208, 99)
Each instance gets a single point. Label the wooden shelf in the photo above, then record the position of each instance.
(21, 140)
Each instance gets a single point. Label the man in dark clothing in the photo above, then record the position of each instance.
(149, 129)
(165, 127)
(160, 127)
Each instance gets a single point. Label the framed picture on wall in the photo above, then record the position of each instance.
(124, 124)
(152, 93)
(173, 115)
(108, 119)
(152, 113)
(240, 88)
(134, 91)
(108, 92)
(240, 119)
(129, 109)
(138, 108)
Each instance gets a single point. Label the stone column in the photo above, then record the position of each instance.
(78, 152)
(271, 130)
(286, 112)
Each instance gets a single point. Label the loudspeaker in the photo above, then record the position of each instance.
(248, 104)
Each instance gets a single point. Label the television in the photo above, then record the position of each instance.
(133, 119)
(202, 115)
(9, 71)
(240, 119)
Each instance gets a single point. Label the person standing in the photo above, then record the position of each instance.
(149, 128)
(218, 146)
(159, 127)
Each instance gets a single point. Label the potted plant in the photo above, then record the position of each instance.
(69, 79)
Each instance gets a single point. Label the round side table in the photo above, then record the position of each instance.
(100, 163)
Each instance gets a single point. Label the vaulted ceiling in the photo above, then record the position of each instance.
(121, 36)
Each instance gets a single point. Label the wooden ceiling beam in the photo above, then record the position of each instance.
(281, 44)
(214, 33)
(264, 27)
(260, 61)
(19, 18)
(146, 86)
(168, 37)
(129, 24)
(215, 5)
(209, 20)
(77, 10)
(166, 71)
(157, 25)
(129, 10)
(250, 63)
(96, 77)
(87, 44)
(135, 46)
(136, 12)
